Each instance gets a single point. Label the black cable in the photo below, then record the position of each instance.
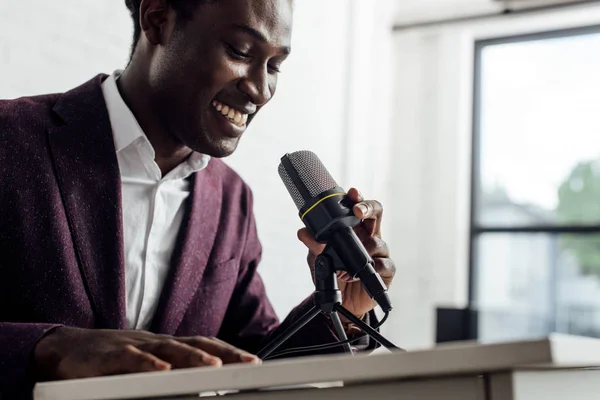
(315, 347)
(385, 317)
(326, 346)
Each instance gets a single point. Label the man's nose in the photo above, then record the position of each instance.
(257, 86)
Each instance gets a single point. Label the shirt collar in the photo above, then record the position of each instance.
(126, 129)
(124, 125)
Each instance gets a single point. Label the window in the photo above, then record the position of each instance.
(535, 232)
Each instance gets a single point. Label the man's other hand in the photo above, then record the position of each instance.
(355, 298)
(71, 353)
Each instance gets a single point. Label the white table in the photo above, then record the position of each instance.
(552, 368)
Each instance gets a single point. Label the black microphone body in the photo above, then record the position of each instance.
(327, 213)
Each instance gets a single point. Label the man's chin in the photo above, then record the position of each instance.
(219, 148)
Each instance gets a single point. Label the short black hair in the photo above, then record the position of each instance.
(184, 9)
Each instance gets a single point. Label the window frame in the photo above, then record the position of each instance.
(476, 230)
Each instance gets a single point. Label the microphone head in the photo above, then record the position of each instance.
(304, 176)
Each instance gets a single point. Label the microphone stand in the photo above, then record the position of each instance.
(328, 300)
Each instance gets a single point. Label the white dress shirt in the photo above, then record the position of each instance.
(153, 208)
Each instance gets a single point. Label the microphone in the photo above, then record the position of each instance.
(327, 213)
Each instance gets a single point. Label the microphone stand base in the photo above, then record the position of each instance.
(328, 301)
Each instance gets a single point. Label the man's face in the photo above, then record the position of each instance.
(218, 69)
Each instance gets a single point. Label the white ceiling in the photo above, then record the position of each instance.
(416, 11)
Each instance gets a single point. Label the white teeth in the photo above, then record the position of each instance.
(235, 116)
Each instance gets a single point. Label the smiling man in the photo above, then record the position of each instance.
(126, 245)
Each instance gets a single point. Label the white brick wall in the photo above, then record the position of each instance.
(49, 46)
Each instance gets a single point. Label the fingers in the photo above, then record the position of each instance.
(375, 246)
(227, 353)
(386, 269)
(344, 276)
(180, 355)
(379, 251)
(370, 211)
(84, 353)
(167, 353)
(354, 195)
(128, 360)
(313, 246)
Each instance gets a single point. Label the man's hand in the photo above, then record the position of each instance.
(355, 298)
(71, 353)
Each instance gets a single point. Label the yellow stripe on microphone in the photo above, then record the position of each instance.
(319, 202)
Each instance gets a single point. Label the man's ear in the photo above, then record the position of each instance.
(154, 20)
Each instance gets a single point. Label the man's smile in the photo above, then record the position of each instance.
(234, 116)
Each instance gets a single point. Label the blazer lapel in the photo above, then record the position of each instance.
(88, 175)
(191, 255)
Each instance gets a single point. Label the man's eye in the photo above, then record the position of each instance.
(274, 69)
(237, 53)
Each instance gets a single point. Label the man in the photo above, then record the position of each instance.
(126, 245)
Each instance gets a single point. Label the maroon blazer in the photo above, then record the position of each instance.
(61, 239)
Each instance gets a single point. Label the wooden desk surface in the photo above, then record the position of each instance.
(556, 352)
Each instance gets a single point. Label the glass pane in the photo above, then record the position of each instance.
(539, 129)
(529, 285)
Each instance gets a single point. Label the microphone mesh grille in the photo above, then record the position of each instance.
(311, 172)
(287, 181)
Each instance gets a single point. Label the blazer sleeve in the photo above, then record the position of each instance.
(250, 321)
(17, 343)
